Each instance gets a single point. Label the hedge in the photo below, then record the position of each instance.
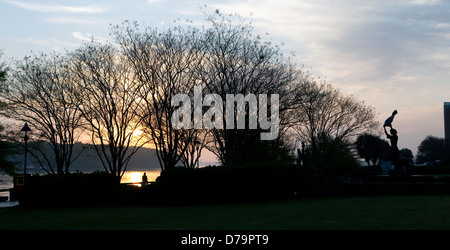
(71, 189)
(228, 184)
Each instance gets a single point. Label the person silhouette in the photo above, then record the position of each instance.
(144, 179)
(388, 122)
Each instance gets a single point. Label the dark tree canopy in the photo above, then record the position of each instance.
(325, 112)
(111, 91)
(6, 148)
(371, 148)
(432, 148)
(39, 92)
(108, 95)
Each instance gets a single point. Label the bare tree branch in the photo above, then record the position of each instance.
(109, 101)
(39, 92)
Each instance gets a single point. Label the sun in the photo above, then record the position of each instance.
(137, 133)
(135, 177)
(137, 136)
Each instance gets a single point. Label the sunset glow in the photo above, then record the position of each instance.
(135, 177)
(392, 55)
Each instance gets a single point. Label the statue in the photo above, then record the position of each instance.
(393, 138)
(388, 122)
(401, 165)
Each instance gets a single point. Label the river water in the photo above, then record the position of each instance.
(6, 181)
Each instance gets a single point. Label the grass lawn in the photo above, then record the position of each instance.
(374, 213)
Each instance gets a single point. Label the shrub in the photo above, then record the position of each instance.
(430, 170)
(228, 183)
(71, 189)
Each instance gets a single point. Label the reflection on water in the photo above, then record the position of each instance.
(6, 181)
(136, 176)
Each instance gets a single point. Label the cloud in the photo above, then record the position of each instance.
(372, 43)
(89, 9)
(391, 54)
(81, 36)
(74, 20)
(425, 2)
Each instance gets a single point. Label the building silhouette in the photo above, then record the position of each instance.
(447, 120)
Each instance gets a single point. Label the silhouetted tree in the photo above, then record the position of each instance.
(192, 145)
(3, 73)
(337, 155)
(6, 148)
(164, 64)
(3, 68)
(239, 62)
(432, 148)
(108, 92)
(371, 148)
(120, 89)
(326, 112)
(39, 91)
(407, 154)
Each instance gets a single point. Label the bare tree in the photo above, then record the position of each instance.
(108, 92)
(163, 63)
(193, 145)
(238, 62)
(6, 147)
(3, 68)
(39, 91)
(326, 114)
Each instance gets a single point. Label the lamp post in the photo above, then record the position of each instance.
(25, 129)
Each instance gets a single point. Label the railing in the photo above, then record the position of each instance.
(136, 183)
(10, 196)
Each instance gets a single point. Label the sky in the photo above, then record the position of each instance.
(393, 55)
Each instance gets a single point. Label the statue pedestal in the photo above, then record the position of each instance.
(386, 167)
